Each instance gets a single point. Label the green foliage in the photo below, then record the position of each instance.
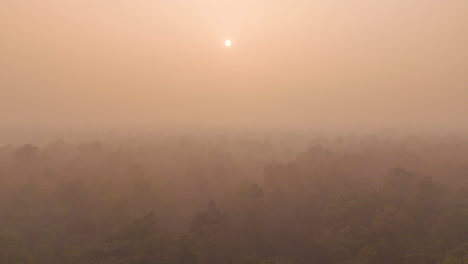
(188, 249)
(13, 249)
(89, 203)
(137, 243)
(211, 234)
(209, 223)
(457, 256)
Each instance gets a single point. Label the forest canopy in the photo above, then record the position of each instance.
(248, 199)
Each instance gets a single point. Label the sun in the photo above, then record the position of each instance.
(228, 43)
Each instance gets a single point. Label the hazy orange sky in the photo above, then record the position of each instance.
(293, 63)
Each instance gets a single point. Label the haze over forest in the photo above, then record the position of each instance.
(233, 132)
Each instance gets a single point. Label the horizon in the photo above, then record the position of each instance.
(292, 65)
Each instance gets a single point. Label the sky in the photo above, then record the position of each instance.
(292, 64)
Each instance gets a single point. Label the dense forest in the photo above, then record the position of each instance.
(248, 199)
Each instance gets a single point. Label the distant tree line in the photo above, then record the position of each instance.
(191, 200)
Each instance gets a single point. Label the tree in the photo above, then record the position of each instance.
(210, 230)
(137, 243)
(457, 256)
(367, 255)
(400, 184)
(26, 153)
(13, 250)
(188, 249)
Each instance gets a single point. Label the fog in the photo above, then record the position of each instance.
(323, 132)
(293, 64)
